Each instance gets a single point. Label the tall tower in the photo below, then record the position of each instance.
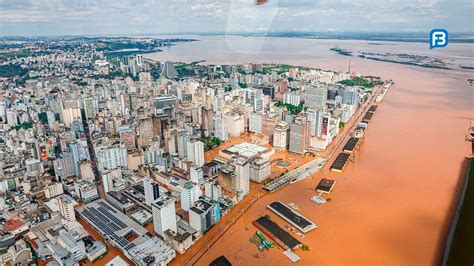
(164, 215)
(242, 175)
(152, 191)
(66, 208)
(196, 152)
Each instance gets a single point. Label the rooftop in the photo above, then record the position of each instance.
(246, 150)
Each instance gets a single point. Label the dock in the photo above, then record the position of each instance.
(340, 162)
(276, 233)
(351, 144)
(326, 185)
(295, 174)
(367, 117)
(297, 220)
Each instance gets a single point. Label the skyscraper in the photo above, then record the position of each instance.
(196, 174)
(152, 190)
(299, 135)
(66, 208)
(79, 152)
(220, 131)
(315, 118)
(164, 215)
(242, 175)
(316, 96)
(183, 139)
(189, 195)
(281, 136)
(196, 152)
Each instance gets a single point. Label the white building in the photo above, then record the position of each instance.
(152, 190)
(196, 152)
(242, 174)
(255, 123)
(86, 191)
(66, 208)
(196, 174)
(189, 195)
(52, 190)
(111, 157)
(198, 215)
(235, 123)
(164, 215)
(212, 190)
(259, 169)
(316, 96)
(220, 131)
(34, 167)
(281, 136)
(292, 98)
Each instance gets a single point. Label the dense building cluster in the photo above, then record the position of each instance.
(118, 142)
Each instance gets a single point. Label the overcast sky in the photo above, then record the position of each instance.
(114, 17)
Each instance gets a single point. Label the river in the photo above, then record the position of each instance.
(394, 204)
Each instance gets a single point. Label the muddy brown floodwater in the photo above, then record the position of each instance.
(394, 204)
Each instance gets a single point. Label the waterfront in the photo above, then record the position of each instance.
(394, 204)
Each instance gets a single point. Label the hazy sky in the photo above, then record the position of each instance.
(109, 17)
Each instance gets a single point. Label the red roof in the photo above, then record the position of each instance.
(14, 224)
(34, 244)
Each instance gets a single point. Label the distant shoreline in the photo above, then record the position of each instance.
(419, 37)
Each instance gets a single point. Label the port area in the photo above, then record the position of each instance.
(276, 233)
(258, 192)
(297, 220)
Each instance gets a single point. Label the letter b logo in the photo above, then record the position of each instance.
(438, 38)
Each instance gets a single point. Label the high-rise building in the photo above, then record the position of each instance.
(350, 96)
(299, 135)
(66, 208)
(196, 174)
(164, 215)
(292, 98)
(70, 110)
(316, 96)
(146, 132)
(183, 140)
(220, 131)
(213, 190)
(259, 169)
(34, 167)
(52, 190)
(281, 136)
(255, 123)
(127, 137)
(254, 97)
(201, 216)
(315, 117)
(152, 190)
(80, 152)
(196, 152)
(242, 175)
(64, 166)
(111, 157)
(189, 195)
(235, 123)
(164, 106)
(325, 122)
